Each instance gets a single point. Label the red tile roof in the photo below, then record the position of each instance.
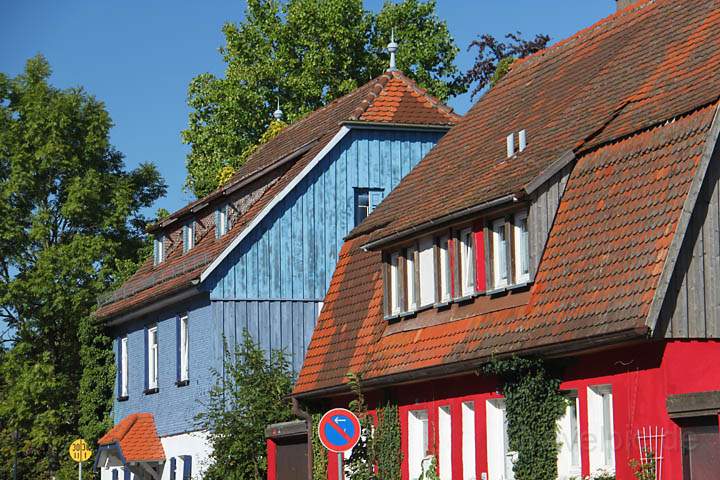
(652, 61)
(634, 96)
(314, 131)
(137, 438)
(597, 277)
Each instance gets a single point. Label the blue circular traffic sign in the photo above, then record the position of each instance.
(339, 430)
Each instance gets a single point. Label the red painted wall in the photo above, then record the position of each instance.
(642, 376)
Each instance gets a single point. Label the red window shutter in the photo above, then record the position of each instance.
(479, 249)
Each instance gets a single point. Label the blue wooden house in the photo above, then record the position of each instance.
(257, 255)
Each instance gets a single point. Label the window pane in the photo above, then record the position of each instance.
(608, 447)
(417, 441)
(467, 259)
(522, 250)
(427, 272)
(468, 440)
(410, 278)
(394, 283)
(600, 428)
(499, 254)
(184, 351)
(445, 443)
(124, 367)
(444, 268)
(362, 205)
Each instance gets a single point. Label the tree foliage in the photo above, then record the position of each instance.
(71, 223)
(534, 404)
(251, 393)
(494, 58)
(304, 54)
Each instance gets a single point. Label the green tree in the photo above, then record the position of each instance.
(251, 393)
(304, 54)
(71, 225)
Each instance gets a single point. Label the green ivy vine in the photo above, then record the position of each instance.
(386, 442)
(534, 404)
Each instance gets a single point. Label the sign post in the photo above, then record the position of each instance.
(80, 452)
(339, 432)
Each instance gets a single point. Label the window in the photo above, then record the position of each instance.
(183, 349)
(417, 442)
(395, 284)
(444, 293)
(188, 236)
(366, 200)
(411, 284)
(187, 467)
(468, 440)
(569, 441)
(600, 429)
(173, 468)
(467, 262)
(159, 250)
(522, 248)
(221, 221)
(444, 443)
(426, 261)
(152, 358)
(123, 367)
(499, 251)
(500, 458)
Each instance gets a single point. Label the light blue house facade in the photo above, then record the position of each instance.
(256, 255)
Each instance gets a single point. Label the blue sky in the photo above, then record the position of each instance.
(138, 56)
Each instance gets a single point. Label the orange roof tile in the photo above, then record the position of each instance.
(137, 438)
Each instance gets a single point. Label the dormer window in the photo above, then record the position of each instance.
(188, 236)
(221, 221)
(510, 249)
(366, 199)
(457, 264)
(159, 249)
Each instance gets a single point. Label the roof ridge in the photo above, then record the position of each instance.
(580, 34)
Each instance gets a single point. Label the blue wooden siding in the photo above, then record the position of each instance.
(173, 407)
(285, 325)
(291, 254)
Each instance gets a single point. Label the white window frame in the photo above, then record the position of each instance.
(499, 253)
(412, 295)
(569, 453)
(159, 249)
(468, 441)
(444, 460)
(499, 455)
(445, 272)
(426, 261)
(601, 428)
(184, 348)
(519, 243)
(152, 358)
(222, 220)
(395, 283)
(467, 262)
(124, 366)
(189, 236)
(418, 441)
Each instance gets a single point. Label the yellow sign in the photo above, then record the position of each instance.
(79, 450)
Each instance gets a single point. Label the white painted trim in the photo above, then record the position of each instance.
(468, 441)
(279, 197)
(445, 442)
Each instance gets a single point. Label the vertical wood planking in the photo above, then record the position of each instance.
(296, 251)
(696, 287)
(308, 244)
(711, 232)
(275, 312)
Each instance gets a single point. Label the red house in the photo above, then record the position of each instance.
(573, 215)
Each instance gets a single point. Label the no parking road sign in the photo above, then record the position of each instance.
(339, 430)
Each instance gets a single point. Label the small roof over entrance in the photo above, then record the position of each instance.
(133, 443)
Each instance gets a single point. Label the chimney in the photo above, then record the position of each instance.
(621, 4)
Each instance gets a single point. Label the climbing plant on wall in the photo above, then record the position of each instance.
(320, 459)
(386, 442)
(534, 404)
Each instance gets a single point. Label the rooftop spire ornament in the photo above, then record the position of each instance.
(392, 48)
(278, 114)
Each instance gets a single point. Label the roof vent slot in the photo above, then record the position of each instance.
(510, 145)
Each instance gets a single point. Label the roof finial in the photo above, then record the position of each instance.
(278, 114)
(392, 48)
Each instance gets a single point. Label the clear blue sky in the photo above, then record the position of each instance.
(138, 56)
